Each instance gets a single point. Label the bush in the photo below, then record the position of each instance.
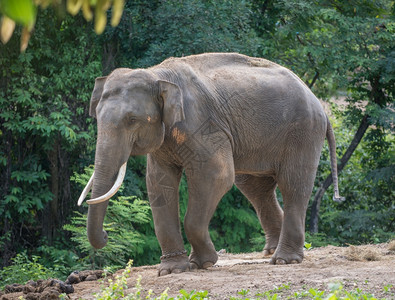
(24, 269)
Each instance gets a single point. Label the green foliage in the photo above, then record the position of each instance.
(319, 240)
(127, 220)
(118, 289)
(59, 258)
(44, 126)
(22, 11)
(191, 27)
(335, 292)
(24, 269)
(367, 182)
(151, 32)
(235, 223)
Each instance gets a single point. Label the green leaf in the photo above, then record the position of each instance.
(11, 198)
(21, 11)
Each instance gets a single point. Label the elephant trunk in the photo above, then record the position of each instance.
(97, 236)
(102, 183)
(105, 184)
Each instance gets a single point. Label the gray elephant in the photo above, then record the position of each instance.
(223, 118)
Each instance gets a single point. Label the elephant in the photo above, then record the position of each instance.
(222, 119)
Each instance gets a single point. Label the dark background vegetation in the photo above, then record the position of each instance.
(341, 49)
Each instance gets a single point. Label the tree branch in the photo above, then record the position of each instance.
(312, 61)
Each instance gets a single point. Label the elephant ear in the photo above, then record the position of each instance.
(173, 107)
(96, 95)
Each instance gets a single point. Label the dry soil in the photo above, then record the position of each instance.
(370, 268)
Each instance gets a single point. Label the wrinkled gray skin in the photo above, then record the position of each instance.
(224, 119)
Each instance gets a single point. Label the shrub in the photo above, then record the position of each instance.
(24, 269)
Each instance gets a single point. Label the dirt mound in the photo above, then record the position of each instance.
(368, 268)
(50, 288)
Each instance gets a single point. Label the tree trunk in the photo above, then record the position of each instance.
(315, 208)
(50, 222)
(7, 251)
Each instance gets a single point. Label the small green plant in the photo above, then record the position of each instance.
(308, 246)
(243, 292)
(316, 294)
(282, 287)
(23, 269)
(118, 289)
(196, 295)
(387, 288)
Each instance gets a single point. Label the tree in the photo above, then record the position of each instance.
(44, 125)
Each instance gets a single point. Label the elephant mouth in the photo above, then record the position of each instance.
(109, 194)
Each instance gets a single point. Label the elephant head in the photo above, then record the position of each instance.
(132, 108)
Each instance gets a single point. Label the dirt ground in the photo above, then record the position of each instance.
(370, 268)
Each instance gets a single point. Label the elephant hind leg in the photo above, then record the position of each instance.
(296, 184)
(261, 192)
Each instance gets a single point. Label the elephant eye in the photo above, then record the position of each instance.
(132, 120)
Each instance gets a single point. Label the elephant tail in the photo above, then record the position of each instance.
(330, 136)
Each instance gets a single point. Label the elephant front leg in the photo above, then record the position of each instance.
(206, 186)
(162, 185)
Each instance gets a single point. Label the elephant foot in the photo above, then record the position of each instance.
(174, 265)
(284, 258)
(203, 261)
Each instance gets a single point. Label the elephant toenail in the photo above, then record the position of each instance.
(164, 272)
(193, 266)
(176, 271)
(207, 264)
(268, 252)
(280, 261)
(294, 261)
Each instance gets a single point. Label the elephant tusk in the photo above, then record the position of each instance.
(86, 190)
(114, 189)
